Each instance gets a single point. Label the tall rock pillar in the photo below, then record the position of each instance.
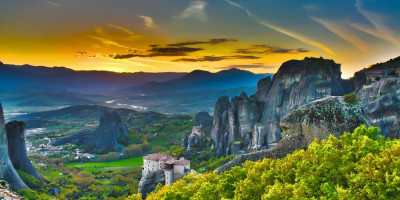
(7, 171)
(17, 148)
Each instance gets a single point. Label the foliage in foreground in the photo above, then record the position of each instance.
(356, 166)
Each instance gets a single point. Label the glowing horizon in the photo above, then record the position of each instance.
(185, 35)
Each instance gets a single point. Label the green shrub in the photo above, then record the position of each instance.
(112, 156)
(351, 99)
(133, 150)
(146, 147)
(33, 195)
(29, 180)
(157, 149)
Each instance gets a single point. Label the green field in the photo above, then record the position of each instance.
(119, 165)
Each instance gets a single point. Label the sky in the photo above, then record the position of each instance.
(185, 35)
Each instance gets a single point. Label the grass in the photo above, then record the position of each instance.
(119, 165)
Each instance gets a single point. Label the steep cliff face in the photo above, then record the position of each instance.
(7, 171)
(149, 182)
(317, 119)
(381, 101)
(17, 148)
(104, 138)
(254, 121)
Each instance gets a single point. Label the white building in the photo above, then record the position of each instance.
(173, 168)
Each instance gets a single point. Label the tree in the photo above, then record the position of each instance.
(146, 147)
(132, 150)
(157, 149)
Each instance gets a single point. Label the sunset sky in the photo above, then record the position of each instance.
(183, 35)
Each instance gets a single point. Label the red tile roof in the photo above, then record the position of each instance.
(159, 157)
(167, 159)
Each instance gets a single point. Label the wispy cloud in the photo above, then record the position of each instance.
(132, 34)
(210, 41)
(148, 21)
(216, 58)
(343, 31)
(195, 10)
(289, 33)
(267, 49)
(51, 3)
(109, 42)
(379, 29)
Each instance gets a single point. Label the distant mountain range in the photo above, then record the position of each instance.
(202, 80)
(17, 77)
(33, 88)
(40, 78)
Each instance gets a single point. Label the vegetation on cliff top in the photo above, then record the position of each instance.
(351, 98)
(361, 165)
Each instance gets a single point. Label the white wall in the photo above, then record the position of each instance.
(180, 169)
(169, 177)
(150, 165)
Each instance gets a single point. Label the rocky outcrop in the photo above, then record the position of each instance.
(254, 121)
(102, 140)
(202, 122)
(17, 148)
(149, 182)
(203, 119)
(318, 120)
(381, 100)
(7, 171)
(323, 117)
(6, 193)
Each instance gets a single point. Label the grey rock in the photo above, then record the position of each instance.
(381, 102)
(149, 182)
(263, 87)
(318, 120)
(17, 148)
(203, 119)
(296, 83)
(323, 117)
(104, 138)
(7, 171)
(202, 122)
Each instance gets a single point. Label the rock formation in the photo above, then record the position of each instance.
(252, 123)
(17, 148)
(318, 119)
(149, 182)
(6, 193)
(102, 140)
(7, 171)
(381, 100)
(202, 123)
